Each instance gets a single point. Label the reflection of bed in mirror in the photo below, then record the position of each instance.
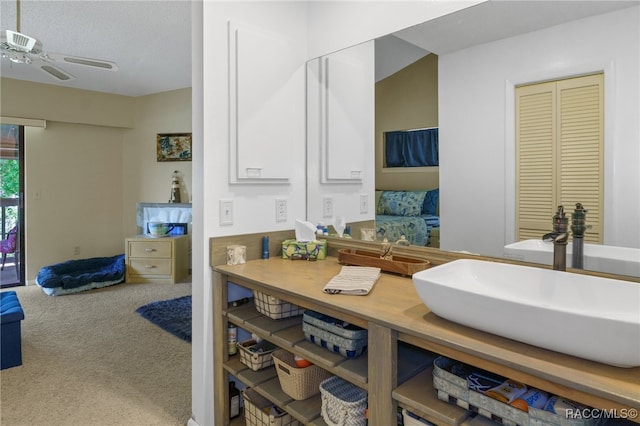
(414, 214)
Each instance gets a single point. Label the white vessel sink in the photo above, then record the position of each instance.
(581, 315)
(611, 259)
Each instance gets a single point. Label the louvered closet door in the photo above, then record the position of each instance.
(559, 160)
(536, 165)
(581, 138)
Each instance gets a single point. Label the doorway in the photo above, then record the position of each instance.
(12, 206)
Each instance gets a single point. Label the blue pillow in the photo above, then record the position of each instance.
(430, 205)
(401, 203)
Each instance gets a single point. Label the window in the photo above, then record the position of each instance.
(411, 148)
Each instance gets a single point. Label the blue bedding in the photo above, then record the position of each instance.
(416, 229)
(81, 274)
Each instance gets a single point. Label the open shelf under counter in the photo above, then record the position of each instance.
(251, 320)
(420, 397)
(267, 384)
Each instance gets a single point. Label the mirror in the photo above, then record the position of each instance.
(482, 53)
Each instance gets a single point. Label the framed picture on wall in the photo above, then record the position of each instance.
(174, 146)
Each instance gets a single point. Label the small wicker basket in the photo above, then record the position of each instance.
(275, 308)
(256, 355)
(298, 383)
(343, 403)
(258, 411)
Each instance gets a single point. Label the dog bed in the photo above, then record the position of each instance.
(74, 276)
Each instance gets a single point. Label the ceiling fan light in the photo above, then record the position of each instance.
(23, 43)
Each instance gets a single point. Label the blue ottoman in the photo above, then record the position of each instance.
(11, 342)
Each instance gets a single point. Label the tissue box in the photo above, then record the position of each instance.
(316, 248)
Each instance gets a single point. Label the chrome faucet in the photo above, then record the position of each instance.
(560, 237)
(578, 227)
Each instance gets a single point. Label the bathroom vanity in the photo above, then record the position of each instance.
(394, 315)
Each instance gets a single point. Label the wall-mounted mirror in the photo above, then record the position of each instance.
(470, 64)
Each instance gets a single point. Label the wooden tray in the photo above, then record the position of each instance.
(399, 264)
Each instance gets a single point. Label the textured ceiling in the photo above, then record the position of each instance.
(149, 40)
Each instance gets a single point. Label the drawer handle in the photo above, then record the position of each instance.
(149, 266)
(149, 250)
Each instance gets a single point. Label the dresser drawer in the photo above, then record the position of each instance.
(149, 266)
(150, 249)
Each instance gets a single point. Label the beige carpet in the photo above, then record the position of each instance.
(90, 359)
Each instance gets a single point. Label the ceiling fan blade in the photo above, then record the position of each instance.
(55, 72)
(77, 60)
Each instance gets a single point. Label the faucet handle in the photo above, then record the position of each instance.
(560, 221)
(578, 219)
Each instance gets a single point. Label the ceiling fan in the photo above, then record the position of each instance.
(20, 48)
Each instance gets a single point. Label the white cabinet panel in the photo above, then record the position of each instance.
(346, 112)
(262, 103)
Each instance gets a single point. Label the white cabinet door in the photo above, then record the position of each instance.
(347, 112)
(262, 102)
(340, 108)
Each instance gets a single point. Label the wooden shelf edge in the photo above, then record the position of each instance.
(419, 396)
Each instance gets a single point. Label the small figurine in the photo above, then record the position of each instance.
(385, 250)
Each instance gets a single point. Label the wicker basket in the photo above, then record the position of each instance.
(275, 308)
(256, 355)
(334, 335)
(343, 404)
(298, 383)
(259, 411)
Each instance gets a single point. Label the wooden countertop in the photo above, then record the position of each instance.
(394, 303)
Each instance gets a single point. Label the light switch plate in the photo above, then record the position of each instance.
(364, 203)
(226, 212)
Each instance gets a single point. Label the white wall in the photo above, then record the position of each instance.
(476, 88)
(254, 204)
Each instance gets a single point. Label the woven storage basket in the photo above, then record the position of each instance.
(343, 404)
(256, 355)
(298, 383)
(349, 348)
(334, 334)
(275, 308)
(257, 411)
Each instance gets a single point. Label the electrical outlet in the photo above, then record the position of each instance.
(364, 203)
(327, 207)
(226, 212)
(281, 210)
(76, 250)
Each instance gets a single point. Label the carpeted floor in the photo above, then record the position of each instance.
(173, 315)
(90, 360)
